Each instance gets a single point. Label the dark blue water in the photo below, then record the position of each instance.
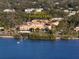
(29, 49)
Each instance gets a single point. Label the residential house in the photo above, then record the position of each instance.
(57, 3)
(9, 10)
(72, 13)
(40, 20)
(56, 23)
(66, 11)
(29, 10)
(78, 11)
(38, 10)
(29, 25)
(24, 27)
(40, 24)
(1, 28)
(57, 19)
(76, 29)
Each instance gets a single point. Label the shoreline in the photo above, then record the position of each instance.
(6, 37)
(39, 38)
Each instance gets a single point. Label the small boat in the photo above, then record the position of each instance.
(18, 42)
